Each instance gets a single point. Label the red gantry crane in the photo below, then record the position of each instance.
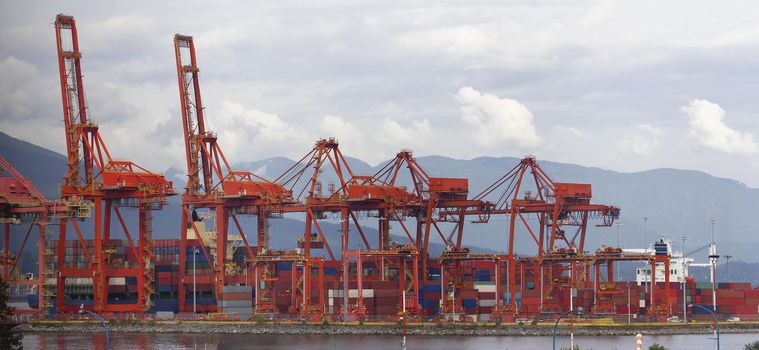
(21, 203)
(355, 196)
(561, 212)
(110, 185)
(213, 185)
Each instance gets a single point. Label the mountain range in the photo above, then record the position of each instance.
(655, 203)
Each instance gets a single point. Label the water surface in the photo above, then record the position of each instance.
(364, 342)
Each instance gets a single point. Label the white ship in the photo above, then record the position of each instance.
(678, 262)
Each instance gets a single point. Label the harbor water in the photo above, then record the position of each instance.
(367, 342)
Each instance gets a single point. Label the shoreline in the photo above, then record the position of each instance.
(417, 329)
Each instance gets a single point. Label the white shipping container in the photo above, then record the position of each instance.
(352, 293)
(487, 303)
(485, 288)
(164, 315)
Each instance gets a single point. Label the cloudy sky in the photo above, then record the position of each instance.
(626, 86)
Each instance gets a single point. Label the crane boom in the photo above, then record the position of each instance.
(84, 147)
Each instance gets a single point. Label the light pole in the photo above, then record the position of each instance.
(682, 271)
(628, 302)
(727, 268)
(82, 311)
(194, 302)
(713, 259)
(557, 325)
(716, 322)
(712, 221)
(645, 232)
(645, 247)
(619, 233)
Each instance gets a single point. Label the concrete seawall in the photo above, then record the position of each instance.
(379, 329)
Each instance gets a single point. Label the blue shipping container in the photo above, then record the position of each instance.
(469, 303)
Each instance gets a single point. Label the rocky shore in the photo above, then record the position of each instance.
(378, 329)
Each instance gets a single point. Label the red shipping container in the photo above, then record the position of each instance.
(747, 309)
(729, 301)
(385, 285)
(739, 285)
(484, 309)
(237, 296)
(385, 293)
(487, 295)
(386, 310)
(623, 309)
(468, 294)
(726, 293)
(393, 301)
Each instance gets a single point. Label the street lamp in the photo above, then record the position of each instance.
(628, 302)
(194, 302)
(716, 322)
(682, 271)
(82, 311)
(557, 324)
(727, 268)
(645, 247)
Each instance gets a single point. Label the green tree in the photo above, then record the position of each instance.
(752, 346)
(8, 338)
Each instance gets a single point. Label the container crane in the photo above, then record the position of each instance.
(110, 185)
(21, 203)
(213, 184)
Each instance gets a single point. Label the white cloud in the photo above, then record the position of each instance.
(706, 120)
(386, 70)
(249, 133)
(497, 122)
(346, 133)
(569, 131)
(401, 136)
(642, 142)
(24, 92)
